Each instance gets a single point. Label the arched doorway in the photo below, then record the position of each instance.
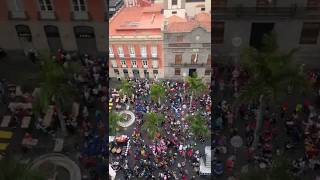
(86, 40)
(25, 37)
(53, 37)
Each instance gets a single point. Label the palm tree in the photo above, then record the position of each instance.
(114, 118)
(157, 92)
(198, 125)
(126, 88)
(55, 86)
(11, 169)
(270, 73)
(152, 122)
(196, 86)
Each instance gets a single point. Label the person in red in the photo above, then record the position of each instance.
(184, 177)
(59, 54)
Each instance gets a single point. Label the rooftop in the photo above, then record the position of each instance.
(137, 21)
(178, 24)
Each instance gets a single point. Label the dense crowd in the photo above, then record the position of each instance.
(300, 119)
(173, 154)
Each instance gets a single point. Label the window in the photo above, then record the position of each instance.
(111, 52)
(131, 49)
(174, 12)
(194, 58)
(179, 38)
(143, 51)
(178, 59)
(145, 63)
(174, 2)
(134, 63)
(155, 64)
(218, 32)
(123, 62)
(79, 5)
(207, 72)
(45, 5)
(197, 37)
(114, 63)
(17, 5)
(177, 71)
(154, 51)
(120, 51)
(310, 33)
(116, 71)
(203, 9)
(155, 71)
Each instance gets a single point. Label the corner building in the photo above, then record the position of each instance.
(135, 42)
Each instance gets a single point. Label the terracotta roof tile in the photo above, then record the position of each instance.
(176, 24)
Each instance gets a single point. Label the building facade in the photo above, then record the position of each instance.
(242, 23)
(186, 8)
(187, 47)
(73, 25)
(135, 42)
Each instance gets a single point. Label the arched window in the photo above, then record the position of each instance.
(84, 32)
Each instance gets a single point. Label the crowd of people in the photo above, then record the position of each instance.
(298, 118)
(174, 153)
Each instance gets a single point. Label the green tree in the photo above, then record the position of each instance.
(198, 125)
(271, 72)
(114, 118)
(196, 86)
(11, 169)
(151, 123)
(126, 88)
(157, 92)
(55, 87)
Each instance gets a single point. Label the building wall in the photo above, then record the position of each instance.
(288, 32)
(62, 8)
(137, 46)
(192, 8)
(188, 37)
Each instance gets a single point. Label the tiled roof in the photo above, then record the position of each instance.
(176, 24)
(137, 21)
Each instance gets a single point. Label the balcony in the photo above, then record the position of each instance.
(154, 56)
(121, 55)
(47, 15)
(18, 15)
(80, 16)
(111, 55)
(145, 66)
(189, 65)
(123, 65)
(134, 66)
(114, 65)
(256, 12)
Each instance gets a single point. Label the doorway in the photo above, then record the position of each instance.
(192, 72)
(258, 30)
(85, 39)
(135, 73)
(53, 38)
(146, 74)
(125, 72)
